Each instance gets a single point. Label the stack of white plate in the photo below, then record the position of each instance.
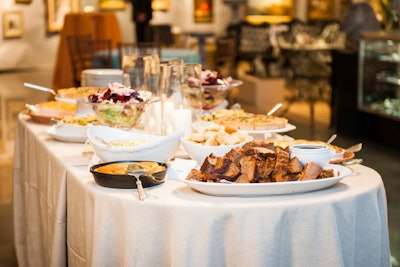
(102, 77)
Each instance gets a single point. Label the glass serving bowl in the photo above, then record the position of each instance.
(119, 115)
(211, 97)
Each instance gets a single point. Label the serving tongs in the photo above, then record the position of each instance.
(136, 170)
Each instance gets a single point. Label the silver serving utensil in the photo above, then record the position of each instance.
(136, 170)
(41, 88)
(355, 148)
(330, 140)
(275, 108)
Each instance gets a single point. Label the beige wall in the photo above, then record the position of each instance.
(37, 48)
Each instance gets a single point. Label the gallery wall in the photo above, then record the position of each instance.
(36, 47)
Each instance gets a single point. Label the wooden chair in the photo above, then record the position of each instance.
(86, 53)
(126, 48)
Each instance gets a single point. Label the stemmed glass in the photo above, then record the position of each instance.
(144, 75)
(143, 71)
(192, 88)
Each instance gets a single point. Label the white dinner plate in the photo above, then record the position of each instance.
(275, 188)
(66, 138)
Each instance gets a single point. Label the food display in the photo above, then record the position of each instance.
(210, 77)
(114, 174)
(216, 135)
(119, 106)
(44, 112)
(128, 142)
(80, 120)
(257, 162)
(338, 153)
(240, 120)
(216, 88)
(121, 167)
(56, 106)
(74, 93)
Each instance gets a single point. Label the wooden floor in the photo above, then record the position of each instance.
(13, 96)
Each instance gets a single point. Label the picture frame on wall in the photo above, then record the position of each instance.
(261, 11)
(160, 5)
(203, 11)
(13, 24)
(23, 1)
(56, 11)
(321, 9)
(111, 5)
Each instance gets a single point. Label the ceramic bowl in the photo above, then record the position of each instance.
(149, 147)
(318, 153)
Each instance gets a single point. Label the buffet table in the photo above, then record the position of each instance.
(62, 217)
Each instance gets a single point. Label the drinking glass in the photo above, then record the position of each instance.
(143, 71)
(144, 75)
(192, 88)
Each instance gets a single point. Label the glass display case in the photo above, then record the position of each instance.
(379, 74)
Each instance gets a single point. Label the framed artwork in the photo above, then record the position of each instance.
(13, 24)
(112, 4)
(56, 11)
(203, 11)
(23, 1)
(321, 9)
(261, 11)
(160, 5)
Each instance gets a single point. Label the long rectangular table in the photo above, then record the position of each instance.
(62, 217)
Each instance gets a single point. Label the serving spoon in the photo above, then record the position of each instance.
(136, 170)
(274, 109)
(355, 148)
(40, 88)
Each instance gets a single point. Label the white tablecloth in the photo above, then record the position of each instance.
(345, 225)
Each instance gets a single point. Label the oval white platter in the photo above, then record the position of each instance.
(275, 188)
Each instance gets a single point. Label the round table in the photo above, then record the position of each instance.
(343, 225)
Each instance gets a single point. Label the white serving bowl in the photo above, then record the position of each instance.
(199, 152)
(318, 153)
(156, 148)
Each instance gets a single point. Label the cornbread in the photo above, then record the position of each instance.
(120, 168)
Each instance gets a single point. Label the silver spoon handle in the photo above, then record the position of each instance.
(275, 108)
(140, 189)
(41, 88)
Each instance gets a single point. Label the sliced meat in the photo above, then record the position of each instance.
(248, 168)
(295, 165)
(231, 172)
(235, 155)
(281, 165)
(196, 175)
(310, 172)
(327, 173)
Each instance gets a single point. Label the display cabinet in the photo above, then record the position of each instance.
(379, 75)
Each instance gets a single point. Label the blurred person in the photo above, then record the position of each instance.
(360, 17)
(142, 13)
